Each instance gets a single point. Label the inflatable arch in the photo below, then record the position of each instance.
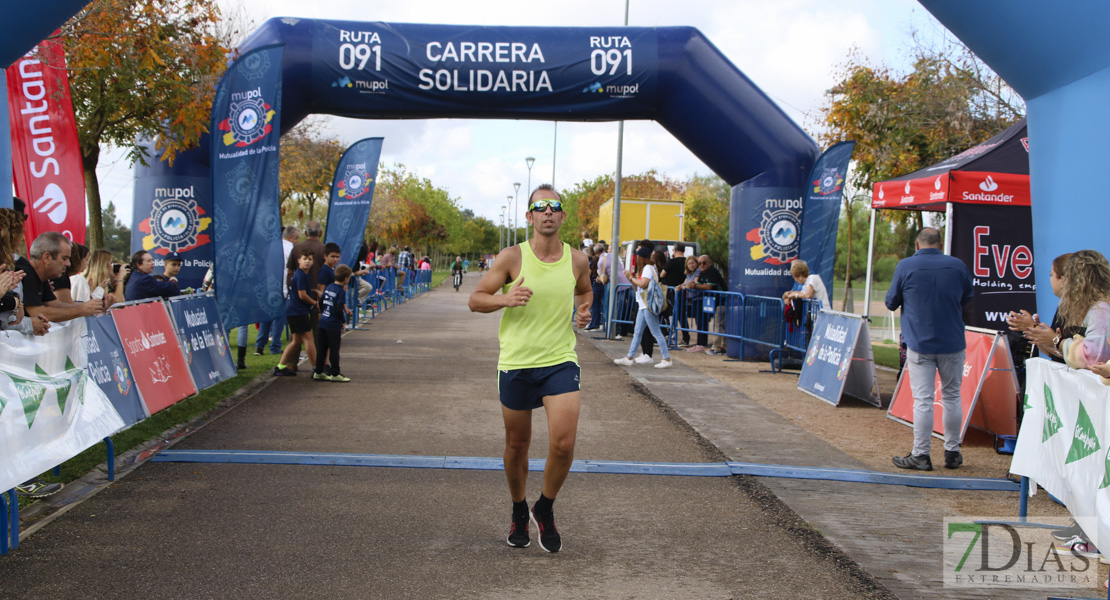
(673, 75)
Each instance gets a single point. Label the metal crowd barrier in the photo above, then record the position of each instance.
(796, 337)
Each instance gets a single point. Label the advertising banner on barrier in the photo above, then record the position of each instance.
(246, 117)
(988, 392)
(202, 338)
(1063, 441)
(109, 369)
(352, 190)
(148, 338)
(50, 410)
(996, 244)
(839, 360)
(46, 157)
(821, 215)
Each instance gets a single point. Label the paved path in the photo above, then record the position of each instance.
(424, 385)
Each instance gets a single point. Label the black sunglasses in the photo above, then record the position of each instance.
(542, 205)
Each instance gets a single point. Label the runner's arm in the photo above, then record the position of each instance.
(505, 269)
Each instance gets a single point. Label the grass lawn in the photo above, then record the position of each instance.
(885, 355)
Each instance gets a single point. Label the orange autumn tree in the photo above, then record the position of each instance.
(141, 69)
(308, 160)
(588, 196)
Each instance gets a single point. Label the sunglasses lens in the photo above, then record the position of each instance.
(542, 205)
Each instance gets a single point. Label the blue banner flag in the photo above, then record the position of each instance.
(108, 367)
(203, 341)
(247, 217)
(821, 212)
(352, 190)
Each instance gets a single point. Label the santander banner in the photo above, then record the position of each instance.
(46, 156)
(964, 187)
(154, 354)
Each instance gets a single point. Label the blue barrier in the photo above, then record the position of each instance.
(713, 313)
(796, 337)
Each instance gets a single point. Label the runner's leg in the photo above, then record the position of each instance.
(562, 427)
(518, 436)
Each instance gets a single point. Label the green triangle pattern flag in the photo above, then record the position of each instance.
(1106, 471)
(31, 393)
(1085, 441)
(1027, 405)
(1051, 417)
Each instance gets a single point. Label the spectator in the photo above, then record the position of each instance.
(104, 283)
(931, 289)
(1044, 337)
(298, 307)
(312, 232)
(594, 254)
(171, 266)
(691, 272)
(807, 286)
(364, 261)
(333, 316)
(49, 258)
(270, 331)
(426, 264)
(142, 285)
(78, 262)
(12, 313)
(709, 279)
(326, 277)
(1085, 304)
(645, 318)
(405, 259)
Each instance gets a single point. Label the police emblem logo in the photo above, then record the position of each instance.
(778, 231)
(830, 182)
(355, 183)
(174, 223)
(248, 122)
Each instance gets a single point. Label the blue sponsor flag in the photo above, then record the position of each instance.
(247, 218)
(202, 337)
(821, 210)
(352, 190)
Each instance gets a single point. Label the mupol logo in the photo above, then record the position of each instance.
(343, 81)
(988, 185)
(594, 88)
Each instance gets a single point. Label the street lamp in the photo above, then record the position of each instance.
(516, 210)
(509, 223)
(528, 161)
(501, 231)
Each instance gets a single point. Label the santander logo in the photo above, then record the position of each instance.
(988, 185)
(881, 192)
(52, 203)
(907, 187)
(936, 184)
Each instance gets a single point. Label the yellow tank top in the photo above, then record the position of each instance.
(539, 334)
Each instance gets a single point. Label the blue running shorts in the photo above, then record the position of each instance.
(525, 389)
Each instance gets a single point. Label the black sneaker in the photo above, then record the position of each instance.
(258, 352)
(518, 532)
(37, 488)
(953, 459)
(909, 461)
(286, 372)
(549, 537)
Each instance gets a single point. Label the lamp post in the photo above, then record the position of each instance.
(516, 209)
(528, 161)
(509, 222)
(501, 231)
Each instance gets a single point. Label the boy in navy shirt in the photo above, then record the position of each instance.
(324, 278)
(297, 309)
(333, 316)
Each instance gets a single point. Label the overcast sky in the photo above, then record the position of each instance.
(791, 49)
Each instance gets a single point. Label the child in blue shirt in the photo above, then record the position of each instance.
(297, 309)
(333, 318)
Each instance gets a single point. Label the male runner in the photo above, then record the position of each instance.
(538, 365)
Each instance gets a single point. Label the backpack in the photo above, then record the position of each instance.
(655, 297)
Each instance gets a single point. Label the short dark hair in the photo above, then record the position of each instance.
(332, 248)
(307, 252)
(136, 259)
(544, 186)
(342, 273)
(680, 247)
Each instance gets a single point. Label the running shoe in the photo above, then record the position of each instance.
(909, 461)
(1068, 532)
(624, 361)
(643, 359)
(549, 538)
(518, 532)
(953, 459)
(1067, 544)
(696, 349)
(618, 337)
(664, 364)
(714, 352)
(1086, 550)
(339, 378)
(321, 377)
(286, 372)
(37, 488)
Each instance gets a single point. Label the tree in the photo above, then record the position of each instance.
(308, 161)
(141, 69)
(706, 205)
(588, 196)
(117, 236)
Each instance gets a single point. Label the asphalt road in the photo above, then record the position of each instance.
(424, 384)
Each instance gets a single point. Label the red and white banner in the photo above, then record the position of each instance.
(46, 157)
(963, 187)
(154, 353)
(988, 396)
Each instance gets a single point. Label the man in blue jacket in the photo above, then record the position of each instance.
(932, 289)
(142, 285)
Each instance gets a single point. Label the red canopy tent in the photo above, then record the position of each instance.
(985, 193)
